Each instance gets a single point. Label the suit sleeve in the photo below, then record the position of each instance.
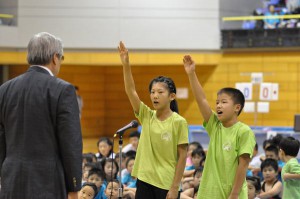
(70, 138)
(2, 146)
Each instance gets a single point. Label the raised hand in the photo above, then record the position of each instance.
(189, 64)
(123, 54)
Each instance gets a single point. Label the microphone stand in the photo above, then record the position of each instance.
(120, 190)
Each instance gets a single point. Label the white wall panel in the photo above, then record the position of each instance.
(101, 24)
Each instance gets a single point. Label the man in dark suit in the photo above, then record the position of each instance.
(40, 133)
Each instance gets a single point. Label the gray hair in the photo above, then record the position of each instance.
(42, 47)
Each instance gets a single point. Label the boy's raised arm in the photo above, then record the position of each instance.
(189, 66)
(128, 79)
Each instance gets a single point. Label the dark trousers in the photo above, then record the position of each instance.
(148, 191)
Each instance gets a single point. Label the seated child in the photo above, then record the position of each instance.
(128, 180)
(271, 186)
(197, 155)
(96, 176)
(289, 148)
(88, 191)
(191, 147)
(111, 169)
(272, 151)
(134, 138)
(190, 192)
(112, 191)
(254, 187)
(85, 170)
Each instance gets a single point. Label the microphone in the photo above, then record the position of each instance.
(132, 124)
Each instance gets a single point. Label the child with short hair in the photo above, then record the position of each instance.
(193, 186)
(289, 148)
(88, 191)
(271, 186)
(254, 187)
(161, 154)
(134, 138)
(272, 151)
(128, 180)
(231, 141)
(96, 176)
(112, 191)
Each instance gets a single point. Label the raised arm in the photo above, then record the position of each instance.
(189, 66)
(128, 79)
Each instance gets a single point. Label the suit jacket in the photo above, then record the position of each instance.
(40, 137)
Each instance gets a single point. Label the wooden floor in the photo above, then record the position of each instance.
(90, 144)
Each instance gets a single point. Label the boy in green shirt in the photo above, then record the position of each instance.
(290, 173)
(231, 142)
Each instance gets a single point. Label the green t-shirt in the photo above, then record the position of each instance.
(291, 188)
(157, 157)
(225, 147)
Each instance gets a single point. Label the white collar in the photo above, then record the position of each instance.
(47, 69)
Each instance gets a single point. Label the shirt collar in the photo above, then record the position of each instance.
(47, 69)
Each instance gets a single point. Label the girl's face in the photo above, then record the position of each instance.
(104, 148)
(191, 148)
(251, 190)
(95, 179)
(111, 190)
(86, 192)
(160, 96)
(196, 160)
(130, 166)
(107, 170)
(225, 108)
(269, 174)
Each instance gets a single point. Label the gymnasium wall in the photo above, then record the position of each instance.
(106, 107)
(101, 24)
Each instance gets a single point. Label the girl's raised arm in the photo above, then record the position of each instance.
(128, 79)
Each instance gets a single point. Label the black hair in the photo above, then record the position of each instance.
(109, 160)
(88, 157)
(236, 95)
(98, 172)
(290, 146)
(202, 161)
(269, 162)
(134, 134)
(122, 154)
(171, 88)
(90, 164)
(91, 185)
(128, 160)
(197, 144)
(277, 139)
(255, 181)
(199, 152)
(131, 153)
(269, 141)
(256, 146)
(273, 148)
(109, 142)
